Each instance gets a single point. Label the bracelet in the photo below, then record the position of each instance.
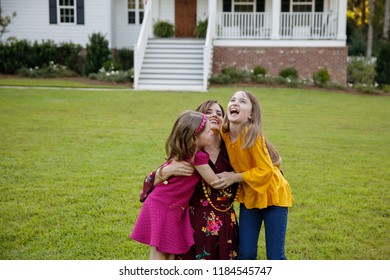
(164, 180)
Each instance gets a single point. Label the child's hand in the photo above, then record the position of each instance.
(178, 168)
(225, 180)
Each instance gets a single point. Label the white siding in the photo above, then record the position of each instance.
(32, 22)
(166, 11)
(202, 10)
(125, 34)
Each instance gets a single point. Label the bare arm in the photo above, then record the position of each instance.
(209, 176)
(226, 179)
(175, 168)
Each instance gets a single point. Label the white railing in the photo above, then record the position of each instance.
(308, 25)
(244, 25)
(292, 25)
(208, 46)
(140, 47)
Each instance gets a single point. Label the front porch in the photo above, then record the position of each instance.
(292, 26)
(255, 31)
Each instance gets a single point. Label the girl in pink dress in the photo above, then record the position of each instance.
(164, 222)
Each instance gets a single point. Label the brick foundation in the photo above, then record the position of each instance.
(305, 60)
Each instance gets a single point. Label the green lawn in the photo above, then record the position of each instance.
(72, 165)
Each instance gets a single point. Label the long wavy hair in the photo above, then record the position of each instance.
(181, 142)
(203, 108)
(252, 129)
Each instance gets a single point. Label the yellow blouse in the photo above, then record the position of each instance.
(264, 184)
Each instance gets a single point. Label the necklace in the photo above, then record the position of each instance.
(212, 204)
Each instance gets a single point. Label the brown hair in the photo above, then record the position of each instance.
(252, 129)
(181, 141)
(205, 106)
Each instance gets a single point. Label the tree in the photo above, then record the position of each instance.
(370, 33)
(386, 21)
(5, 21)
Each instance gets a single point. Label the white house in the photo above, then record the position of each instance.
(275, 34)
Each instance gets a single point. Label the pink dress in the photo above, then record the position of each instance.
(164, 220)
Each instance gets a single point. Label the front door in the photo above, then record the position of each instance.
(185, 18)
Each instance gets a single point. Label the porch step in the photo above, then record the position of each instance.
(172, 64)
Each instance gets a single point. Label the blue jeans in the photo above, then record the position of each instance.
(275, 223)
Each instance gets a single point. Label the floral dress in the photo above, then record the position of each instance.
(213, 219)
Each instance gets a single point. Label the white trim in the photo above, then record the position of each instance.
(279, 43)
(69, 7)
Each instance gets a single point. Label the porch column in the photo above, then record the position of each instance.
(342, 22)
(212, 19)
(276, 8)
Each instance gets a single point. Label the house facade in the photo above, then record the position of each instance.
(305, 34)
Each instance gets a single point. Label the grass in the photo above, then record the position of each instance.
(72, 163)
(57, 83)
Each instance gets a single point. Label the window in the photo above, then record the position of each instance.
(135, 11)
(302, 6)
(245, 6)
(66, 10)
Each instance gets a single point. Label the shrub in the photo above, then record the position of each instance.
(220, 79)
(259, 71)
(69, 55)
(16, 54)
(360, 71)
(383, 65)
(201, 29)
(289, 73)
(321, 77)
(98, 53)
(48, 71)
(113, 75)
(124, 58)
(230, 75)
(163, 29)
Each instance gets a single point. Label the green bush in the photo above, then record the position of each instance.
(289, 73)
(230, 75)
(163, 29)
(220, 79)
(49, 71)
(98, 53)
(360, 71)
(321, 77)
(259, 71)
(14, 55)
(17, 54)
(383, 65)
(124, 58)
(112, 75)
(201, 29)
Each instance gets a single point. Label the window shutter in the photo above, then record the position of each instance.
(80, 11)
(53, 11)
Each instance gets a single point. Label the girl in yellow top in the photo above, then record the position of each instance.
(265, 194)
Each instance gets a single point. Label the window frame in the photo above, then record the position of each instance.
(300, 3)
(68, 8)
(237, 3)
(138, 11)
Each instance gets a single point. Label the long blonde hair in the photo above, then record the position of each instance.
(252, 129)
(181, 142)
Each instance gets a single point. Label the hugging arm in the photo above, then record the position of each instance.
(210, 177)
(175, 168)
